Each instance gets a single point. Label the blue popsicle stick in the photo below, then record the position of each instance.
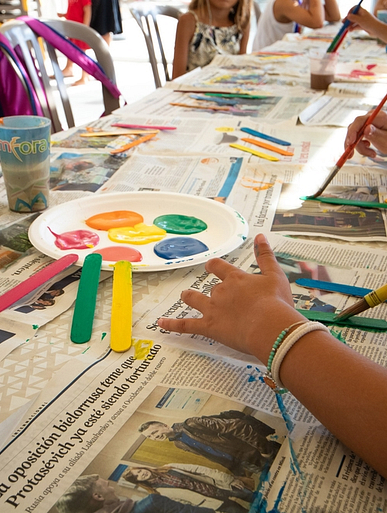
(264, 136)
(349, 290)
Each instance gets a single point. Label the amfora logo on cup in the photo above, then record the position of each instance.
(19, 149)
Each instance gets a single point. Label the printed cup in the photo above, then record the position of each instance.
(25, 161)
(322, 68)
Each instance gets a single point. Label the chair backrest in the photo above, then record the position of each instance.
(146, 14)
(34, 52)
(13, 8)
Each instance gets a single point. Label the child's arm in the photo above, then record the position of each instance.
(244, 40)
(311, 16)
(365, 20)
(332, 11)
(184, 32)
(87, 15)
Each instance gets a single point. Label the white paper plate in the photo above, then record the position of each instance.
(226, 228)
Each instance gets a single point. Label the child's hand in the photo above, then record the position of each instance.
(245, 311)
(375, 134)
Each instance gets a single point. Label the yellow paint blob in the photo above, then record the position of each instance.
(224, 129)
(141, 348)
(141, 233)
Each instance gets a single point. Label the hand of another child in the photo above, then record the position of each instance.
(375, 134)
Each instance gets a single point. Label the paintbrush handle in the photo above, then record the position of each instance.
(338, 39)
(376, 297)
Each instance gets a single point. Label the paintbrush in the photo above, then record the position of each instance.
(338, 39)
(344, 157)
(374, 298)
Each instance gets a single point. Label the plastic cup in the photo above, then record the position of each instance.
(322, 68)
(25, 161)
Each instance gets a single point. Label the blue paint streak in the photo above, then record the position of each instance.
(231, 178)
(285, 415)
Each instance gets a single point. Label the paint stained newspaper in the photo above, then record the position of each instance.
(141, 424)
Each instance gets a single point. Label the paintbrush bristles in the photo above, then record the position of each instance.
(355, 309)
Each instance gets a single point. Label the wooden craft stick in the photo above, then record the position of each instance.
(36, 280)
(268, 146)
(83, 316)
(361, 323)
(254, 152)
(117, 133)
(132, 144)
(206, 107)
(121, 319)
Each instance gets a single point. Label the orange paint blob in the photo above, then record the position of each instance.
(114, 219)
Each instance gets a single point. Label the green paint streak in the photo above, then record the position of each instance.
(35, 326)
(103, 335)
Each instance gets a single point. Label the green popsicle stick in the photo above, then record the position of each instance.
(84, 308)
(361, 323)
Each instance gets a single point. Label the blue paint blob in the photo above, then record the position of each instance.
(178, 247)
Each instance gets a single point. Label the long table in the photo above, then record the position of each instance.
(46, 380)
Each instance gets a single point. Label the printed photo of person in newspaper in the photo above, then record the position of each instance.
(182, 451)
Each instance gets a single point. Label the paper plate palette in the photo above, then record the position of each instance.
(226, 228)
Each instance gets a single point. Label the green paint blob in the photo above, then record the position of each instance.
(179, 224)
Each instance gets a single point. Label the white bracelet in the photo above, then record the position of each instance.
(288, 343)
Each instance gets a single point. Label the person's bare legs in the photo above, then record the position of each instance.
(68, 70)
(83, 80)
(108, 38)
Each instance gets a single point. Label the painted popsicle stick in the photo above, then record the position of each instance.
(37, 280)
(268, 146)
(364, 323)
(117, 133)
(83, 316)
(344, 201)
(132, 144)
(264, 136)
(121, 319)
(145, 127)
(206, 107)
(330, 286)
(254, 152)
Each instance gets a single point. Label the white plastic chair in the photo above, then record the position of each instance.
(146, 14)
(35, 52)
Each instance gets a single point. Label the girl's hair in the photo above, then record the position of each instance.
(239, 14)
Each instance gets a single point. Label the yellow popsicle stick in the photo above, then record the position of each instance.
(254, 152)
(118, 132)
(268, 146)
(121, 318)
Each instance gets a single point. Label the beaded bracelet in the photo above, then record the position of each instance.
(283, 349)
(268, 377)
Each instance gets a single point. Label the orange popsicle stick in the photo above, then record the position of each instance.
(268, 146)
(131, 144)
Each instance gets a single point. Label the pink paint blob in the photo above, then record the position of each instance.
(116, 253)
(77, 239)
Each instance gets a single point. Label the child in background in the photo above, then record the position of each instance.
(210, 27)
(80, 11)
(280, 17)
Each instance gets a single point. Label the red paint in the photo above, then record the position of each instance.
(116, 253)
(77, 239)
